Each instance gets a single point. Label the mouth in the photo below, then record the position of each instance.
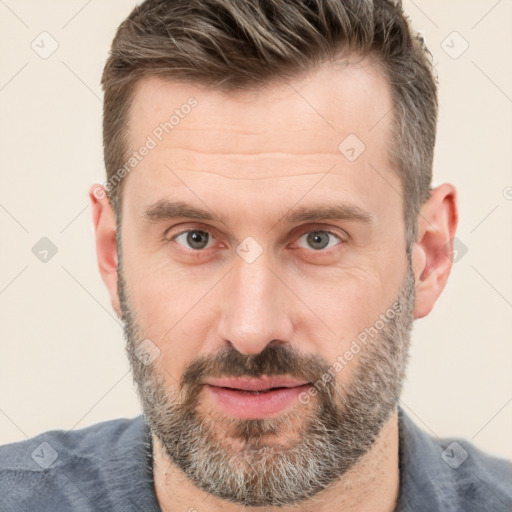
(250, 398)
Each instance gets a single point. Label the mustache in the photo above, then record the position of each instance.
(273, 360)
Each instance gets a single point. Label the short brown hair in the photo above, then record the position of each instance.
(237, 44)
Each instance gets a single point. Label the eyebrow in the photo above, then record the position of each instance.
(328, 212)
(166, 210)
(176, 209)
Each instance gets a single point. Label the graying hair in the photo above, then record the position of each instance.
(234, 45)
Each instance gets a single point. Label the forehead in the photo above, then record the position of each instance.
(334, 120)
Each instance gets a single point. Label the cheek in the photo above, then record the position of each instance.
(172, 309)
(345, 305)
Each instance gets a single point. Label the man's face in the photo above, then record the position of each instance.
(239, 311)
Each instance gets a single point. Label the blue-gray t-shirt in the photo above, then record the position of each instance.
(108, 467)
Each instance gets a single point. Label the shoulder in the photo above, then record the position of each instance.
(55, 447)
(71, 470)
(450, 474)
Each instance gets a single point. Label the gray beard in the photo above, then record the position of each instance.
(284, 460)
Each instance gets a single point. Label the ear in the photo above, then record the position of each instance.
(432, 252)
(104, 222)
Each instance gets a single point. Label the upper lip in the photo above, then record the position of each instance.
(255, 384)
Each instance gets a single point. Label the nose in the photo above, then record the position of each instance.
(256, 308)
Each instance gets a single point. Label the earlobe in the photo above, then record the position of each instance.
(432, 256)
(104, 224)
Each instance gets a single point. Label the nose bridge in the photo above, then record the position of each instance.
(255, 307)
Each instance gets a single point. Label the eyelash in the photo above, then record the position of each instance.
(342, 239)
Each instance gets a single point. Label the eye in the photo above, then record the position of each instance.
(194, 239)
(319, 240)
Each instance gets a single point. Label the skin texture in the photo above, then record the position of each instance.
(250, 159)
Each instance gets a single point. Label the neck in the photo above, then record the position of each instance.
(370, 485)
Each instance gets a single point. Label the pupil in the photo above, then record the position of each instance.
(197, 239)
(318, 239)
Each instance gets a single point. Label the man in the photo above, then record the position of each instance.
(268, 234)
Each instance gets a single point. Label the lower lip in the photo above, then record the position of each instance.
(247, 405)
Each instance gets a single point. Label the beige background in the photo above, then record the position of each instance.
(62, 362)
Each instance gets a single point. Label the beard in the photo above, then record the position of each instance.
(286, 459)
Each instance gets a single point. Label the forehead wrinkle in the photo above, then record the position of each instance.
(236, 178)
